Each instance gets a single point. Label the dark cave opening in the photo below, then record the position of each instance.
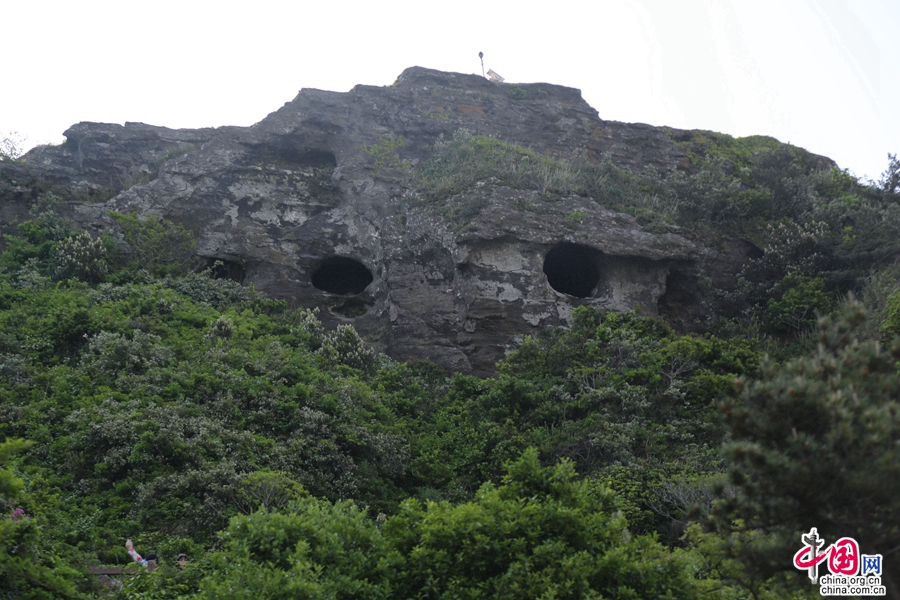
(224, 269)
(340, 275)
(290, 154)
(309, 157)
(572, 269)
(680, 292)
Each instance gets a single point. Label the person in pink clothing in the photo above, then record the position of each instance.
(137, 557)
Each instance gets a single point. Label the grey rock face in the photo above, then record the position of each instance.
(314, 204)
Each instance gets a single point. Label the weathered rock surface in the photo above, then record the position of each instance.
(302, 206)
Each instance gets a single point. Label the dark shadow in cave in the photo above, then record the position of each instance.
(572, 269)
(224, 269)
(288, 154)
(340, 275)
(680, 295)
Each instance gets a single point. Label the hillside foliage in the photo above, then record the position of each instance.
(617, 458)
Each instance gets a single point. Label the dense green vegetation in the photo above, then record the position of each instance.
(616, 459)
(814, 440)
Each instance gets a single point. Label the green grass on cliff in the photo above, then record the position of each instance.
(459, 163)
(461, 173)
(706, 146)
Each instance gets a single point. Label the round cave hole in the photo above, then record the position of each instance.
(340, 275)
(571, 269)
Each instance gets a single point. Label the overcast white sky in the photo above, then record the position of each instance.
(820, 74)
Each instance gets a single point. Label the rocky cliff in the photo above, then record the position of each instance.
(316, 204)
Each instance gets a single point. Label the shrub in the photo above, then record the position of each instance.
(112, 355)
(317, 550)
(802, 301)
(344, 346)
(81, 257)
(29, 569)
(205, 289)
(160, 247)
(541, 534)
(267, 491)
(384, 152)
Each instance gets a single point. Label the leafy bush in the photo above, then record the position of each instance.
(46, 325)
(35, 246)
(318, 550)
(81, 257)
(160, 247)
(344, 346)
(29, 567)
(204, 288)
(384, 152)
(540, 534)
(802, 301)
(267, 490)
(111, 356)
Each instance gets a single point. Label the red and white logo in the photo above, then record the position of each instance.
(852, 573)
